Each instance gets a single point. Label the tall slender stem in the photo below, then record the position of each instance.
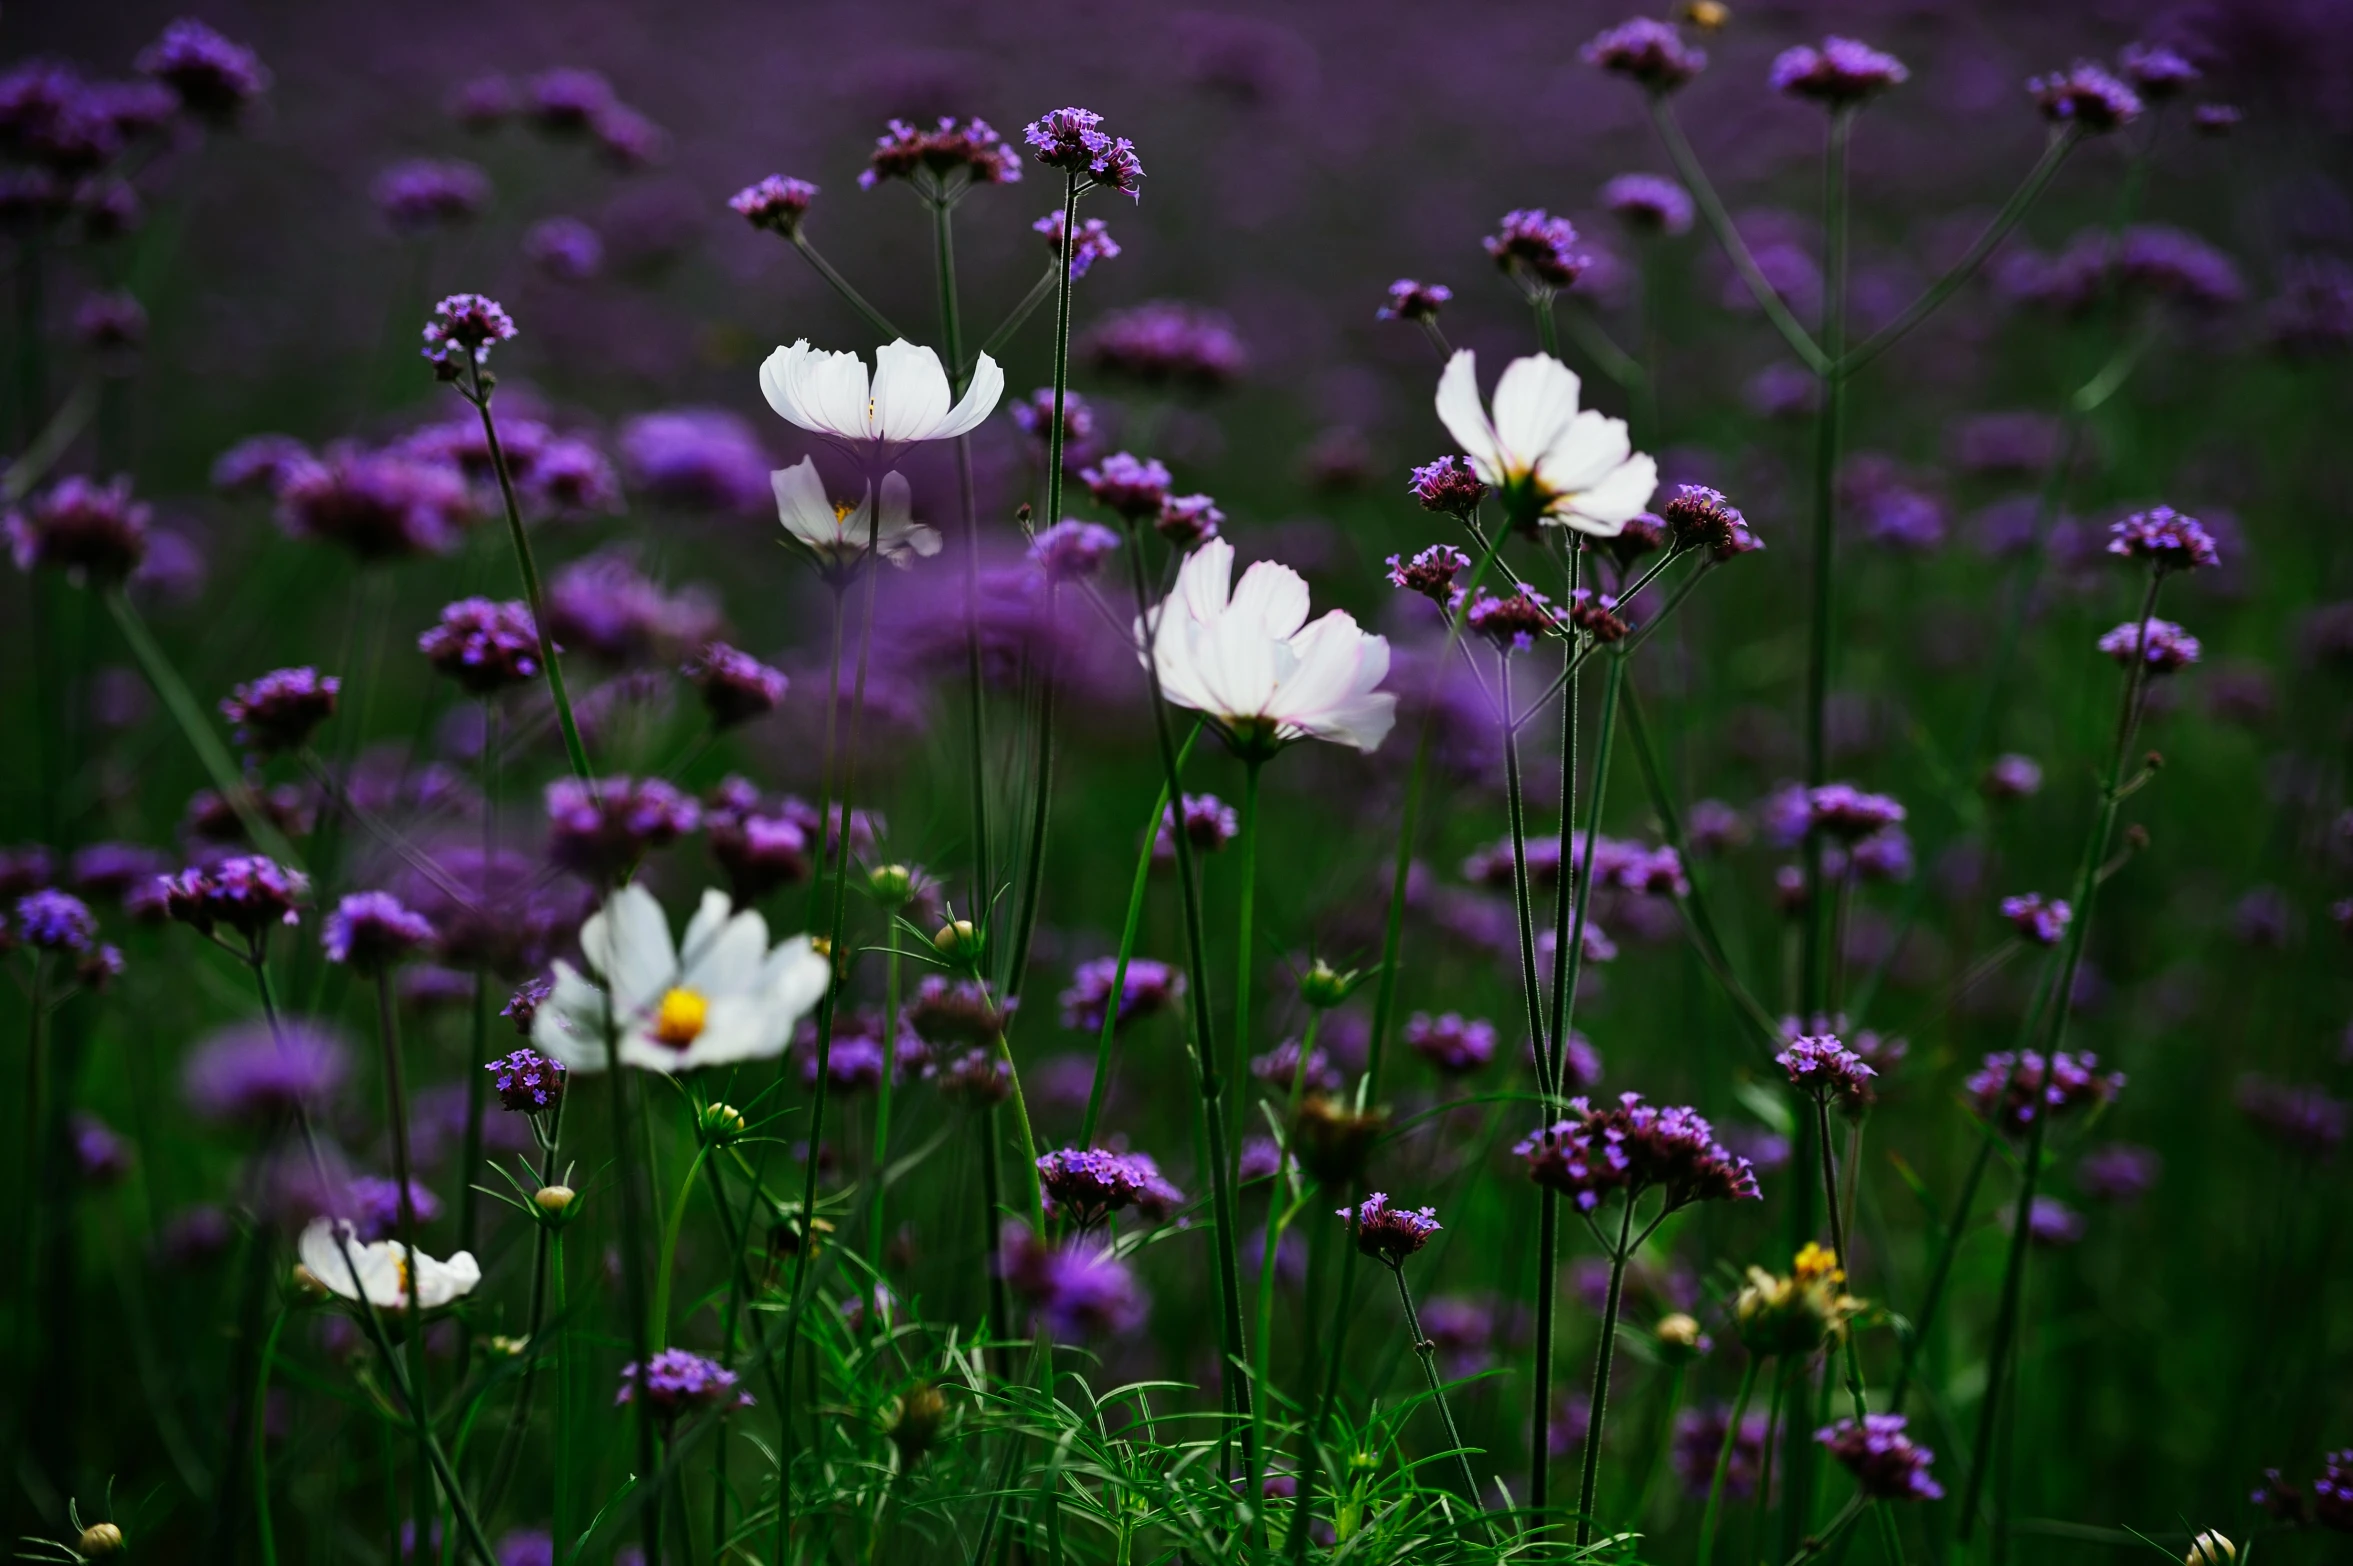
(879, 1165)
(479, 396)
(478, 1080)
(975, 694)
(1232, 1342)
(1603, 1354)
(1427, 1352)
(1719, 221)
(2060, 1008)
(632, 1160)
(841, 285)
(404, 1198)
(1715, 1503)
(559, 1508)
(1041, 806)
(1244, 968)
(1061, 349)
(1127, 946)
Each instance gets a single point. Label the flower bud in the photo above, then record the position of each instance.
(822, 945)
(308, 1281)
(721, 1124)
(1333, 1141)
(510, 1347)
(554, 1202)
(1322, 987)
(106, 1539)
(1707, 15)
(957, 941)
(1679, 1338)
(891, 885)
(2211, 1549)
(1792, 1314)
(916, 1417)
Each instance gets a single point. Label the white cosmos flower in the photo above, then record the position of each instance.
(1244, 655)
(838, 535)
(827, 394)
(383, 1268)
(721, 997)
(1559, 466)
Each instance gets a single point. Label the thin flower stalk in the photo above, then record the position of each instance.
(396, 1115)
(952, 347)
(879, 1165)
(841, 285)
(1604, 1353)
(478, 393)
(1727, 234)
(1427, 1352)
(1714, 1510)
(1041, 809)
(2061, 1007)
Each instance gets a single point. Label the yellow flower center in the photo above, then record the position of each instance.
(679, 1020)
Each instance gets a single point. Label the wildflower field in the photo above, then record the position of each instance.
(1306, 783)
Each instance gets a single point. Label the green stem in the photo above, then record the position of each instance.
(173, 692)
(1427, 1352)
(666, 1258)
(632, 1159)
(876, 1204)
(841, 285)
(1232, 1343)
(1041, 807)
(396, 1114)
(1127, 946)
(261, 1445)
(1589, 1485)
(1547, 332)
(1719, 221)
(1715, 1504)
(1022, 311)
(560, 1509)
(1061, 350)
(952, 344)
(479, 396)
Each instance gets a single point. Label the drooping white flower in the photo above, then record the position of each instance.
(382, 1269)
(722, 996)
(839, 535)
(1244, 655)
(908, 401)
(1553, 464)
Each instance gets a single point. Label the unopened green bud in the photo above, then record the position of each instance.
(891, 885)
(957, 940)
(1323, 987)
(2211, 1549)
(100, 1539)
(553, 1201)
(721, 1123)
(1679, 1338)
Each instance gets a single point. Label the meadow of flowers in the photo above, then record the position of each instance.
(982, 851)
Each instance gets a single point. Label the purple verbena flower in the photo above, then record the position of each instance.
(705, 458)
(1279, 1067)
(54, 921)
(2158, 72)
(1035, 416)
(89, 530)
(1188, 520)
(426, 195)
(2307, 1121)
(1821, 1065)
(959, 1011)
(1841, 73)
(484, 646)
(1701, 518)
(1514, 623)
(1071, 140)
(380, 505)
(1448, 487)
(977, 1078)
(1648, 204)
(2119, 1173)
(466, 325)
(100, 1155)
(1087, 1185)
(1078, 1289)
(599, 833)
(1164, 342)
(677, 1383)
(1390, 1234)
(2013, 1089)
(522, 1007)
(1430, 573)
(526, 1081)
(565, 249)
(736, 687)
(948, 154)
(214, 78)
(248, 1072)
(1072, 550)
(776, 204)
(1451, 1042)
(1888, 1464)
(372, 1203)
(1844, 811)
(2165, 538)
(371, 931)
(1094, 242)
(1632, 1146)
(1537, 249)
(2013, 776)
(1412, 301)
(2037, 919)
(2086, 95)
(1151, 987)
(1131, 487)
(280, 710)
(2166, 647)
(1210, 823)
(247, 893)
(1645, 51)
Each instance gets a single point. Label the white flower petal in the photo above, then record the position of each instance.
(1535, 402)
(1588, 450)
(910, 391)
(1272, 598)
(1459, 410)
(802, 505)
(780, 383)
(978, 402)
(569, 1026)
(1620, 497)
(629, 947)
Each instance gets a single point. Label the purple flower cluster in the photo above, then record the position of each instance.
(371, 931)
(2037, 919)
(1165, 343)
(949, 152)
(1390, 1234)
(1452, 1043)
(1841, 73)
(1072, 550)
(2164, 646)
(373, 1205)
(2119, 1173)
(1632, 1146)
(1537, 249)
(977, 1078)
(1513, 623)
(53, 921)
(704, 459)
(527, 1082)
(1209, 822)
(1088, 1185)
(1821, 1065)
(247, 893)
(1072, 140)
(1279, 1067)
(2085, 95)
(2013, 777)
(522, 1007)
(1187, 520)
(1151, 987)
(213, 77)
(736, 687)
(1888, 1464)
(251, 1073)
(1448, 487)
(855, 1060)
(2165, 538)
(760, 846)
(82, 527)
(493, 912)
(1430, 573)
(2158, 72)
(677, 1382)
(1699, 1442)
(1649, 204)
(484, 646)
(1079, 1289)
(1412, 301)
(426, 195)
(466, 326)
(1647, 52)
(775, 203)
(379, 505)
(280, 710)
(1094, 242)
(959, 1011)
(1034, 415)
(1846, 812)
(2014, 1089)
(599, 832)
(1701, 518)
(1132, 487)
(604, 606)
